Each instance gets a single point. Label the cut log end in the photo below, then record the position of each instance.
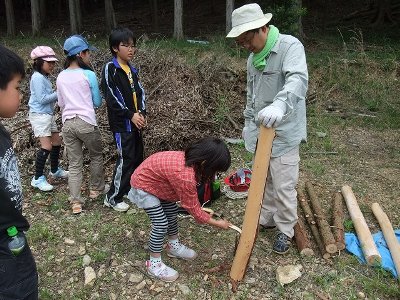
(331, 248)
(374, 260)
(340, 246)
(326, 255)
(307, 252)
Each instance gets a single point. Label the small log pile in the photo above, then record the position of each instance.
(329, 239)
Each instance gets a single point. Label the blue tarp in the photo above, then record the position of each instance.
(353, 246)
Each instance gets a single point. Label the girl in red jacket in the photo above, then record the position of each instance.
(165, 178)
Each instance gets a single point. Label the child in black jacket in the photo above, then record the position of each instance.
(126, 109)
(18, 275)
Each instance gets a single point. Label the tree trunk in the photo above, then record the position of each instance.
(253, 206)
(10, 17)
(389, 235)
(75, 16)
(311, 222)
(178, 12)
(154, 15)
(43, 11)
(229, 9)
(367, 243)
(110, 15)
(36, 20)
(384, 12)
(302, 241)
(301, 34)
(324, 227)
(337, 221)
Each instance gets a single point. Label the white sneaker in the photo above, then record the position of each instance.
(162, 272)
(121, 206)
(41, 183)
(183, 252)
(60, 173)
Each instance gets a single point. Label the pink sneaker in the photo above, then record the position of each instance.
(162, 272)
(183, 252)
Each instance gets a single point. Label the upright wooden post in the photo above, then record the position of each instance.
(253, 207)
(10, 17)
(36, 19)
(229, 10)
(178, 12)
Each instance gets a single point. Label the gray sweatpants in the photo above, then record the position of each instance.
(280, 197)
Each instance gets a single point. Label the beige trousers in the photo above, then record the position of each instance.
(77, 133)
(279, 206)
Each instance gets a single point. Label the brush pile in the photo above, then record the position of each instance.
(185, 101)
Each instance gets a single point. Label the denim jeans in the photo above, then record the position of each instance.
(77, 133)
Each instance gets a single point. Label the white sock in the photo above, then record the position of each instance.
(174, 244)
(154, 261)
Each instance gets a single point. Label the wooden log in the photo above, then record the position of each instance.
(324, 227)
(253, 206)
(388, 233)
(337, 221)
(302, 241)
(368, 246)
(311, 222)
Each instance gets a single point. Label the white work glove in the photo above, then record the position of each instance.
(270, 116)
(245, 130)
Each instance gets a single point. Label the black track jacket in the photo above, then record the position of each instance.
(118, 93)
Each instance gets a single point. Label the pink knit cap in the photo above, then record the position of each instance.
(44, 52)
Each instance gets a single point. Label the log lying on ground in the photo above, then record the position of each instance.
(324, 227)
(311, 222)
(368, 246)
(302, 241)
(388, 233)
(337, 221)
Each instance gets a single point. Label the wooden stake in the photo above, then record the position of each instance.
(337, 221)
(389, 235)
(324, 227)
(368, 246)
(311, 222)
(253, 207)
(302, 240)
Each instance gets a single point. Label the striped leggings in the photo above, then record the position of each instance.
(163, 220)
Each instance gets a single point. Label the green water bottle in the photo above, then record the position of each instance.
(17, 242)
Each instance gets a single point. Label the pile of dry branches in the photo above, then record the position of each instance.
(185, 101)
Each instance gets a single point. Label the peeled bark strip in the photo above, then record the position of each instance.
(337, 221)
(388, 233)
(324, 227)
(311, 222)
(253, 206)
(368, 246)
(302, 241)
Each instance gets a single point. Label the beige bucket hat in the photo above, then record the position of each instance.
(247, 17)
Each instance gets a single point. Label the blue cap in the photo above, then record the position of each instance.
(76, 44)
